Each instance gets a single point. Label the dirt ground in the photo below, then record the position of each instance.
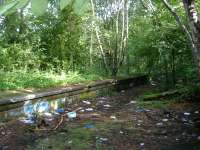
(118, 122)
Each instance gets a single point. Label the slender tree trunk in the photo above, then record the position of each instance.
(99, 39)
(194, 25)
(193, 32)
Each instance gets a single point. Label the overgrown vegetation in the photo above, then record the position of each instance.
(69, 41)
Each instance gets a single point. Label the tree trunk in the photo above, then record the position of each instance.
(194, 25)
(193, 32)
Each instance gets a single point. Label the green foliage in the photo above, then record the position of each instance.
(20, 79)
(39, 6)
(7, 6)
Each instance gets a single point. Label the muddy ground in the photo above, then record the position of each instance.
(118, 122)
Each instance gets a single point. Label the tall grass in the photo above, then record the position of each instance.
(36, 79)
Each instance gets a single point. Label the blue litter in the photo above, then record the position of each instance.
(71, 115)
(89, 126)
(60, 110)
(42, 107)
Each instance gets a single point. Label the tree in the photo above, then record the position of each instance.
(193, 29)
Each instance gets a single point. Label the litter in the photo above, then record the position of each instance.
(89, 109)
(198, 138)
(46, 114)
(133, 102)
(71, 115)
(103, 139)
(41, 107)
(27, 121)
(113, 117)
(87, 102)
(141, 144)
(60, 110)
(164, 120)
(196, 112)
(159, 124)
(140, 121)
(107, 105)
(121, 132)
(186, 114)
(82, 110)
(89, 126)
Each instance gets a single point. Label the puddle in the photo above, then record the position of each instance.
(49, 105)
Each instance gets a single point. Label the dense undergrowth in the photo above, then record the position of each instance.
(36, 79)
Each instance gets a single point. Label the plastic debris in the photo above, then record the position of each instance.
(141, 144)
(41, 107)
(103, 139)
(89, 109)
(142, 110)
(186, 114)
(82, 110)
(28, 108)
(87, 102)
(60, 110)
(46, 114)
(184, 120)
(198, 138)
(89, 126)
(133, 102)
(69, 142)
(113, 117)
(107, 105)
(121, 132)
(196, 112)
(140, 121)
(71, 115)
(27, 121)
(159, 124)
(164, 120)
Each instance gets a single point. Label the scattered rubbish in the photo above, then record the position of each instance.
(87, 102)
(46, 114)
(41, 107)
(101, 102)
(140, 121)
(186, 114)
(142, 110)
(89, 109)
(141, 144)
(122, 91)
(177, 139)
(121, 132)
(69, 142)
(71, 115)
(133, 102)
(27, 121)
(60, 110)
(89, 126)
(184, 120)
(196, 112)
(198, 138)
(107, 105)
(164, 120)
(159, 124)
(82, 110)
(113, 117)
(103, 139)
